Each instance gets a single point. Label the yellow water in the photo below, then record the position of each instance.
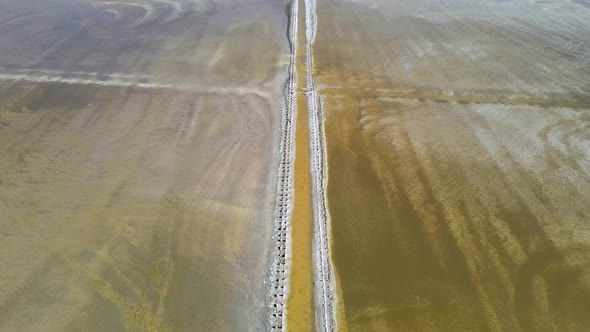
(300, 304)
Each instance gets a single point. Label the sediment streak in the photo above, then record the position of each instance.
(119, 80)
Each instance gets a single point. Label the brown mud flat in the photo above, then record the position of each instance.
(127, 212)
(457, 144)
(137, 166)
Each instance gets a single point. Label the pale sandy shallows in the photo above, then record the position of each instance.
(137, 163)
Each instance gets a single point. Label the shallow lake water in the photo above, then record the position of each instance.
(458, 159)
(137, 163)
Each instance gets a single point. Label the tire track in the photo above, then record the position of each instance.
(283, 207)
(280, 268)
(324, 284)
